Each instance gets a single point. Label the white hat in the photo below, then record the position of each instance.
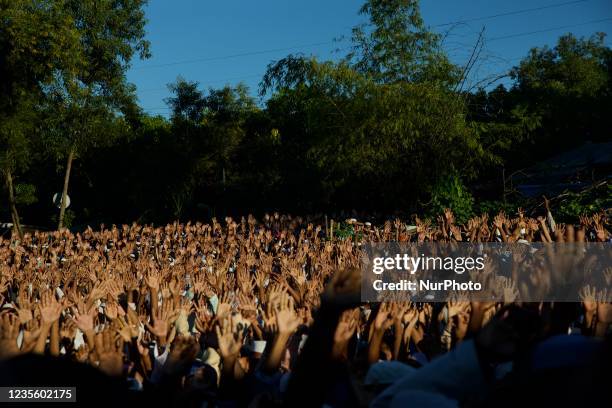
(258, 346)
(212, 358)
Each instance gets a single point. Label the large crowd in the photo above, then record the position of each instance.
(268, 313)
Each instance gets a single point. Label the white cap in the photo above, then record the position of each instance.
(258, 346)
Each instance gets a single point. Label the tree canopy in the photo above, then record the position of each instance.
(383, 128)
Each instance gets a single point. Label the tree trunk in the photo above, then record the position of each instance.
(65, 190)
(13, 204)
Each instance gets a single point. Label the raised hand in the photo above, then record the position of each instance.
(298, 276)
(84, 319)
(82, 354)
(108, 350)
(230, 341)
(499, 221)
(456, 232)
(127, 330)
(182, 354)
(9, 330)
(384, 317)
(165, 290)
(588, 297)
(49, 308)
(604, 307)
(97, 292)
(113, 288)
(457, 305)
(608, 275)
(68, 330)
(30, 336)
(411, 316)
(275, 294)
(346, 326)
(344, 288)
(204, 317)
(112, 309)
(287, 320)
(152, 280)
(510, 291)
(246, 304)
(24, 310)
(162, 321)
(224, 307)
(448, 214)
(600, 232)
(584, 220)
(175, 287)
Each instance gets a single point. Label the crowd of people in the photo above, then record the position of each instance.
(268, 313)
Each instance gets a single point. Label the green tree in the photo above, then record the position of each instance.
(188, 101)
(504, 128)
(568, 87)
(451, 193)
(75, 125)
(209, 128)
(395, 45)
(386, 111)
(37, 39)
(87, 96)
(15, 147)
(351, 131)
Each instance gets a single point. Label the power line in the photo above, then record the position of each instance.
(491, 79)
(260, 52)
(329, 42)
(224, 57)
(511, 13)
(504, 37)
(490, 39)
(213, 81)
(267, 51)
(512, 60)
(465, 46)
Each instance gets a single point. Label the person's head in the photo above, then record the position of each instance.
(202, 377)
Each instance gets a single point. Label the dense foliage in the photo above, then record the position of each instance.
(385, 128)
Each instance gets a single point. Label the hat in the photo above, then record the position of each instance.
(212, 358)
(257, 346)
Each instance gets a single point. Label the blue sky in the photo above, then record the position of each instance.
(230, 41)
